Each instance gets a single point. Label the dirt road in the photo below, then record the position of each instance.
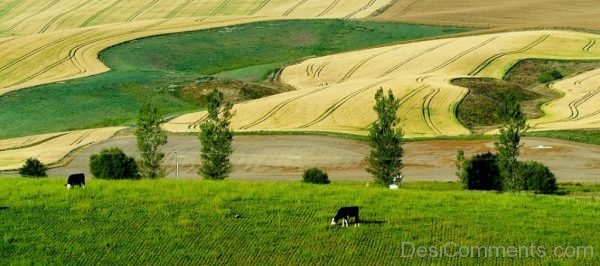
(285, 157)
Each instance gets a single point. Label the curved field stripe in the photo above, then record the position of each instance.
(179, 8)
(329, 8)
(220, 8)
(197, 123)
(139, 12)
(360, 64)
(259, 7)
(10, 7)
(93, 17)
(40, 49)
(458, 56)
(317, 73)
(392, 69)
(341, 102)
(48, 6)
(408, 8)
(426, 110)
(588, 47)
(369, 4)
(8, 40)
(81, 138)
(495, 57)
(73, 51)
(574, 104)
(289, 11)
(278, 107)
(54, 19)
(453, 109)
(31, 142)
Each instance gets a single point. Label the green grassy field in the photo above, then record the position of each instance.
(193, 222)
(152, 69)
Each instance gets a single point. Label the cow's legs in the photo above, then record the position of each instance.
(356, 221)
(82, 185)
(68, 186)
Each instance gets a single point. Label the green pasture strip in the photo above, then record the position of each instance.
(153, 69)
(194, 222)
(591, 136)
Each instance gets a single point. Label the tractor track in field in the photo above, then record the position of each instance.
(197, 123)
(142, 10)
(279, 106)
(219, 8)
(495, 57)
(408, 60)
(289, 11)
(588, 47)
(426, 110)
(573, 106)
(369, 4)
(10, 7)
(48, 6)
(41, 48)
(357, 66)
(341, 102)
(408, 8)
(329, 8)
(30, 142)
(59, 16)
(178, 9)
(73, 51)
(8, 40)
(259, 7)
(99, 13)
(81, 138)
(460, 55)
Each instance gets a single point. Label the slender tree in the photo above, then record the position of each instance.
(508, 144)
(216, 138)
(149, 139)
(385, 159)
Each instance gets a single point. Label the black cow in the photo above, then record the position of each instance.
(344, 213)
(76, 180)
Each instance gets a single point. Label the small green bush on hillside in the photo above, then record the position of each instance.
(549, 75)
(113, 164)
(480, 172)
(537, 177)
(33, 168)
(315, 176)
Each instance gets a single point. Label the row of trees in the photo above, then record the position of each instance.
(500, 171)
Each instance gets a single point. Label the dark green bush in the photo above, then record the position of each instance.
(113, 164)
(537, 177)
(33, 168)
(480, 172)
(315, 176)
(549, 75)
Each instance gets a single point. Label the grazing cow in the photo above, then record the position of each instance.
(76, 180)
(344, 213)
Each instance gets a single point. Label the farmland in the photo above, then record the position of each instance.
(498, 15)
(339, 87)
(114, 98)
(281, 223)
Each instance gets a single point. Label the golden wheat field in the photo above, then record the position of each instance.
(506, 14)
(335, 93)
(48, 41)
(49, 148)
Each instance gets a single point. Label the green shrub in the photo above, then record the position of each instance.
(480, 172)
(33, 168)
(537, 177)
(315, 176)
(549, 75)
(113, 164)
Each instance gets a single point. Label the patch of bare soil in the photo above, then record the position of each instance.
(285, 157)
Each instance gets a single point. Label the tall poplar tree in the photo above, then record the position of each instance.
(149, 139)
(216, 138)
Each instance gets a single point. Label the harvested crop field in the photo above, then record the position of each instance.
(507, 14)
(68, 34)
(285, 157)
(49, 148)
(335, 93)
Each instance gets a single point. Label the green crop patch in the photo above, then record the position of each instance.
(151, 69)
(232, 222)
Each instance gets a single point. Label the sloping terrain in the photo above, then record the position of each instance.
(47, 41)
(335, 93)
(49, 148)
(506, 14)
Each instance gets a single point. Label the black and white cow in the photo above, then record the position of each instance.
(345, 213)
(76, 180)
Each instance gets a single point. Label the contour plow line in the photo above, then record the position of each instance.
(426, 110)
(48, 6)
(54, 19)
(289, 11)
(142, 10)
(369, 4)
(460, 55)
(339, 103)
(88, 21)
